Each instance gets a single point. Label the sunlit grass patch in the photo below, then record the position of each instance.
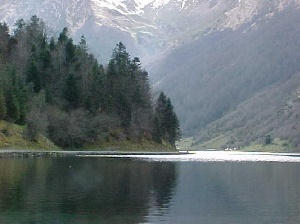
(215, 143)
(12, 137)
(277, 145)
(142, 145)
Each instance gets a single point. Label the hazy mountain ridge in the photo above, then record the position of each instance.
(147, 27)
(211, 56)
(225, 81)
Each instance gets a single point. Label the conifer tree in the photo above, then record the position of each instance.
(83, 45)
(52, 44)
(34, 76)
(71, 91)
(172, 123)
(12, 106)
(2, 105)
(21, 94)
(124, 111)
(22, 109)
(45, 56)
(160, 112)
(20, 26)
(4, 40)
(156, 131)
(166, 119)
(63, 36)
(70, 51)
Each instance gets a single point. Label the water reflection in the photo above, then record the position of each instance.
(83, 190)
(99, 190)
(239, 193)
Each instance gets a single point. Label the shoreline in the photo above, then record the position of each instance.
(56, 154)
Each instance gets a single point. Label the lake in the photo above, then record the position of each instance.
(159, 189)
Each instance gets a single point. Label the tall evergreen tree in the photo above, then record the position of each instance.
(52, 44)
(2, 105)
(45, 56)
(166, 119)
(160, 112)
(83, 45)
(19, 27)
(21, 94)
(70, 51)
(124, 111)
(71, 91)
(63, 36)
(12, 105)
(171, 122)
(156, 131)
(33, 76)
(4, 43)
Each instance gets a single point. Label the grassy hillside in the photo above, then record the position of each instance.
(12, 137)
(273, 112)
(131, 146)
(222, 142)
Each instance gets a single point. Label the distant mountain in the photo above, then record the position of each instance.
(243, 83)
(147, 27)
(213, 57)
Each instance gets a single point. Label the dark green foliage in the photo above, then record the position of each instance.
(52, 44)
(63, 36)
(83, 44)
(3, 109)
(71, 91)
(160, 113)
(19, 27)
(4, 40)
(156, 132)
(45, 57)
(22, 99)
(12, 105)
(128, 90)
(70, 51)
(165, 120)
(56, 88)
(171, 123)
(33, 76)
(124, 110)
(268, 140)
(15, 95)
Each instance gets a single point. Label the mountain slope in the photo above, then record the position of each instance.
(210, 56)
(216, 74)
(274, 111)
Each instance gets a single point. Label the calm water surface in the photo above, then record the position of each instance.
(119, 190)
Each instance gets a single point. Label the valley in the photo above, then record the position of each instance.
(234, 64)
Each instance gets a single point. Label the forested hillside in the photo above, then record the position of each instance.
(57, 88)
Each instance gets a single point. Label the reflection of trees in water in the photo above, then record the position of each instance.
(163, 182)
(85, 190)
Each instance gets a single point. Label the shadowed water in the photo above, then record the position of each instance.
(118, 190)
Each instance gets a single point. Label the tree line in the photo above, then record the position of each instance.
(57, 88)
